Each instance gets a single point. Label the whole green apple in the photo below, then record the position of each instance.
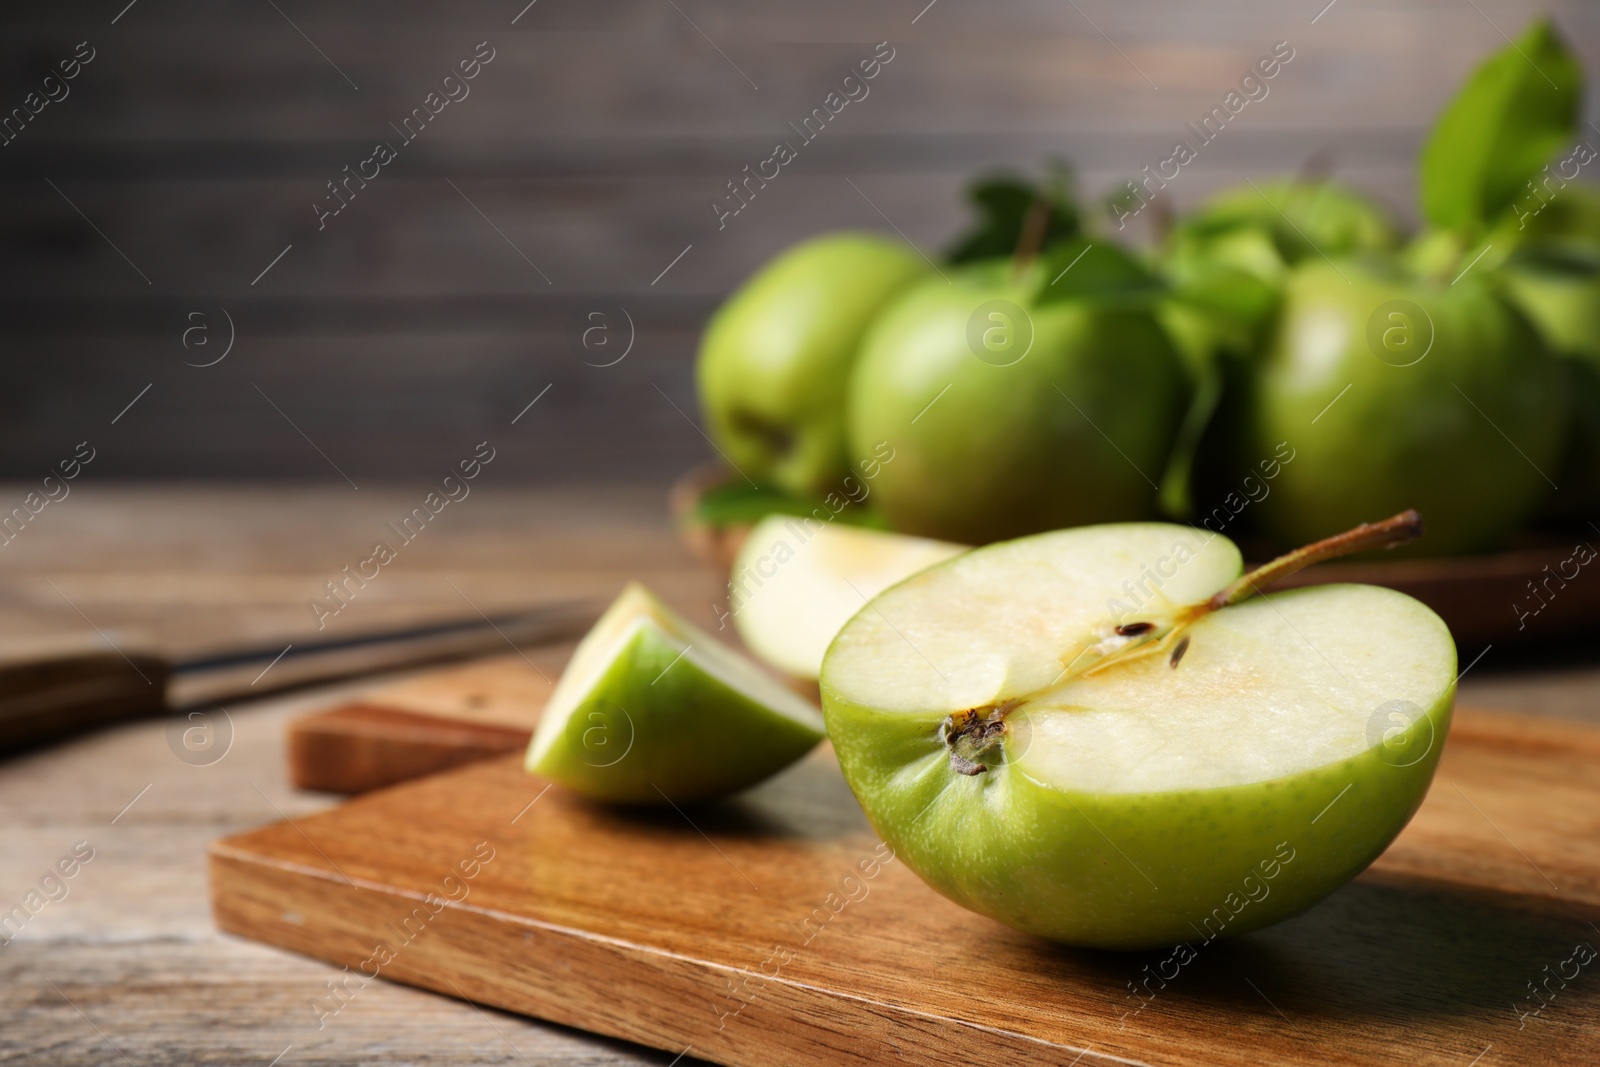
(1213, 769)
(1011, 413)
(776, 356)
(1393, 391)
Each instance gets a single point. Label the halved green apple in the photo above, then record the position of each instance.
(796, 581)
(653, 709)
(1094, 736)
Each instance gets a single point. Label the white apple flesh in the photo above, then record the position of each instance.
(796, 581)
(1198, 772)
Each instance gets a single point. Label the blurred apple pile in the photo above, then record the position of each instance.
(1284, 363)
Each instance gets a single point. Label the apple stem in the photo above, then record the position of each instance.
(1395, 530)
(1031, 239)
(1316, 170)
(1162, 221)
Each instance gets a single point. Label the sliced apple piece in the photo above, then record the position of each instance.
(1093, 736)
(653, 709)
(796, 581)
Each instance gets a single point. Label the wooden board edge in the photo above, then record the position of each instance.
(354, 748)
(599, 984)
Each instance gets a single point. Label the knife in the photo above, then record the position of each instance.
(55, 688)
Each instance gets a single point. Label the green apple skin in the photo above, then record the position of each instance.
(648, 734)
(1306, 219)
(776, 356)
(1003, 451)
(1404, 436)
(1041, 859)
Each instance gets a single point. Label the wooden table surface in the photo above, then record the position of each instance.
(127, 968)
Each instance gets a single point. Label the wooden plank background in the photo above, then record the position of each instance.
(408, 329)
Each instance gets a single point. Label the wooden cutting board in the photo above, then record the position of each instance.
(424, 724)
(773, 929)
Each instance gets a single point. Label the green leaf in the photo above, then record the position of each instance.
(1232, 314)
(1516, 111)
(1236, 274)
(1080, 268)
(1003, 204)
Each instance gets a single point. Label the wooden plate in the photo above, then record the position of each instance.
(1507, 598)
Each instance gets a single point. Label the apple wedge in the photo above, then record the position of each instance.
(652, 709)
(796, 581)
(1096, 735)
